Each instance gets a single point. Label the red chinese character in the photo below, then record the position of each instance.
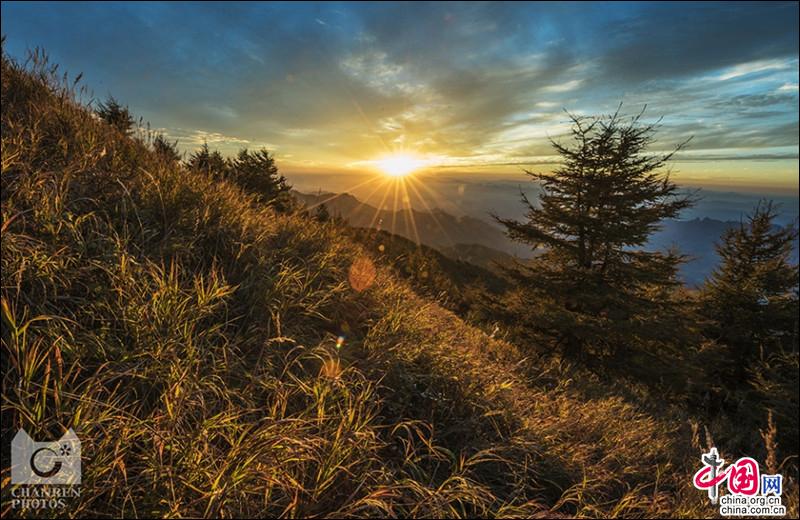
(704, 480)
(743, 478)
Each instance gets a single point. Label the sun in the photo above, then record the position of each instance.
(399, 165)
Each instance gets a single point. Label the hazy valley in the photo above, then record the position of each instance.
(482, 242)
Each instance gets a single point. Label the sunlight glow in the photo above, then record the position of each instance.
(399, 165)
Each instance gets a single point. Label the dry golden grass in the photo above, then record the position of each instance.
(189, 335)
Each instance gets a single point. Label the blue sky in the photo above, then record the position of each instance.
(468, 87)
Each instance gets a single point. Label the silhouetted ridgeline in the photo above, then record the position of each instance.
(472, 240)
(434, 228)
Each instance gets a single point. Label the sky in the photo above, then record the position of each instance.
(475, 88)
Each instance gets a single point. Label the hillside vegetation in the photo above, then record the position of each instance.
(188, 333)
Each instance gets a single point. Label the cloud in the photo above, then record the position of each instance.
(658, 40)
(564, 87)
(753, 67)
(468, 82)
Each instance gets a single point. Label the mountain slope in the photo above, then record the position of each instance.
(189, 336)
(457, 285)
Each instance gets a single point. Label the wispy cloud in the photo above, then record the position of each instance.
(564, 87)
(193, 139)
(753, 67)
(470, 83)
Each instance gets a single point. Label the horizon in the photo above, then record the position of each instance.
(476, 89)
(477, 195)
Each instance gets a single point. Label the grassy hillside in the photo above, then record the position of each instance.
(188, 334)
(457, 285)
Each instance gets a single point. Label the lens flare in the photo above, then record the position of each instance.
(362, 273)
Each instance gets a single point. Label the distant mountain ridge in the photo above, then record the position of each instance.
(436, 228)
(478, 242)
(696, 238)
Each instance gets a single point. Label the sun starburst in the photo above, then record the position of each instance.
(399, 165)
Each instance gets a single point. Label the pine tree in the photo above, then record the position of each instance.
(751, 299)
(323, 215)
(168, 151)
(258, 173)
(116, 115)
(208, 162)
(595, 287)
